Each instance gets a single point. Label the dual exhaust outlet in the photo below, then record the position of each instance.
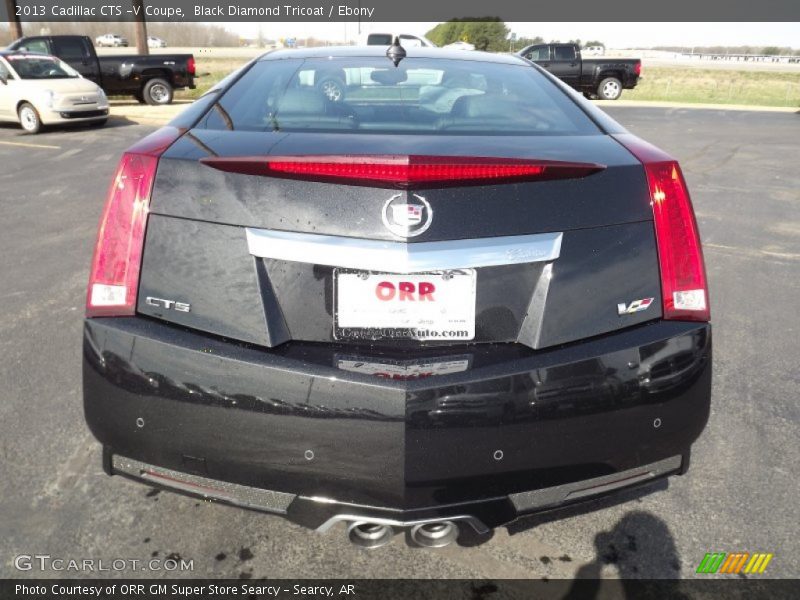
(434, 534)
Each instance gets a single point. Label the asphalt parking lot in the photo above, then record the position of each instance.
(739, 495)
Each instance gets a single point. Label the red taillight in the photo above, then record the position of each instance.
(403, 171)
(683, 278)
(637, 67)
(114, 276)
(190, 66)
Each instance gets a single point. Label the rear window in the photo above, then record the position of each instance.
(379, 39)
(564, 53)
(421, 96)
(539, 54)
(70, 48)
(39, 46)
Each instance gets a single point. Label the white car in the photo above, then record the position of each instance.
(38, 90)
(406, 40)
(111, 40)
(593, 51)
(459, 46)
(155, 42)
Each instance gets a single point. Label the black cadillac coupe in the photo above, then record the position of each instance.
(402, 289)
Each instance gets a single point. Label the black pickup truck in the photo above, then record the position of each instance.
(150, 79)
(603, 78)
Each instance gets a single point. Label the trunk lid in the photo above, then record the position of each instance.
(595, 234)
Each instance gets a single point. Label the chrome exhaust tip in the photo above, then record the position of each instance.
(369, 535)
(434, 535)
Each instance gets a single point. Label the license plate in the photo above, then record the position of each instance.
(421, 306)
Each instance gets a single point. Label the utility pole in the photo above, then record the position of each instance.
(13, 20)
(141, 27)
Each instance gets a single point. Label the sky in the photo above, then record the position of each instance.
(615, 35)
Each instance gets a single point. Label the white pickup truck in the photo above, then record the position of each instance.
(111, 40)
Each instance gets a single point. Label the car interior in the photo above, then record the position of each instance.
(40, 68)
(373, 97)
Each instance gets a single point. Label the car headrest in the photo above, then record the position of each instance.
(456, 79)
(484, 105)
(302, 102)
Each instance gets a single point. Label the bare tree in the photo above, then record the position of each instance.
(13, 20)
(141, 27)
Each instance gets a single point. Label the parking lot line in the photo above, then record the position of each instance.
(26, 145)
(752, 253)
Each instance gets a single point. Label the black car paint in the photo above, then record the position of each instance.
(585, 74)
(117, 74)
(249, 414)
(196, 234)
(185, 259)
(225, 406)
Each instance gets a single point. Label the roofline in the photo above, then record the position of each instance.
(380, 51)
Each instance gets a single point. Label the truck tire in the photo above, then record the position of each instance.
(157, 92)
(610, 88)
(29, 118)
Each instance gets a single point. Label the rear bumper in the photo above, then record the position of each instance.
(505, 431)
(322, 513)
(180, 81)
(631, 82)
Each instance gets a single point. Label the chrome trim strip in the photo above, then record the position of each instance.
(553, 496)
(323, 500)
(402, 257)
(233, 493)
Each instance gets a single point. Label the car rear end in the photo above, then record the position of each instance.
(633, 74)
(410, 307)
(183, 69)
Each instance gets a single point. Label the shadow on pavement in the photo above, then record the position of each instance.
(468, 538)
(132, 102)
(640, 546)
(621, 497)
(113, 122)
(118, 121)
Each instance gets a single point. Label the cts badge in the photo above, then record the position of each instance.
(634, 307)
(168, 304)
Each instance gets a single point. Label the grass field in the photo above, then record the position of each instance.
(212, 70)
(673, 84)
(762, 88)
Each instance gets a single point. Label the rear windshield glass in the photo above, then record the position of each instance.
(421, 96)
(379, 39)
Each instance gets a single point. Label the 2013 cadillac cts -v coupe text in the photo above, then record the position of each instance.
(449, 295)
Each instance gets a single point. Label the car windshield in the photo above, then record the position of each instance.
(40, 67)
(420, 96)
